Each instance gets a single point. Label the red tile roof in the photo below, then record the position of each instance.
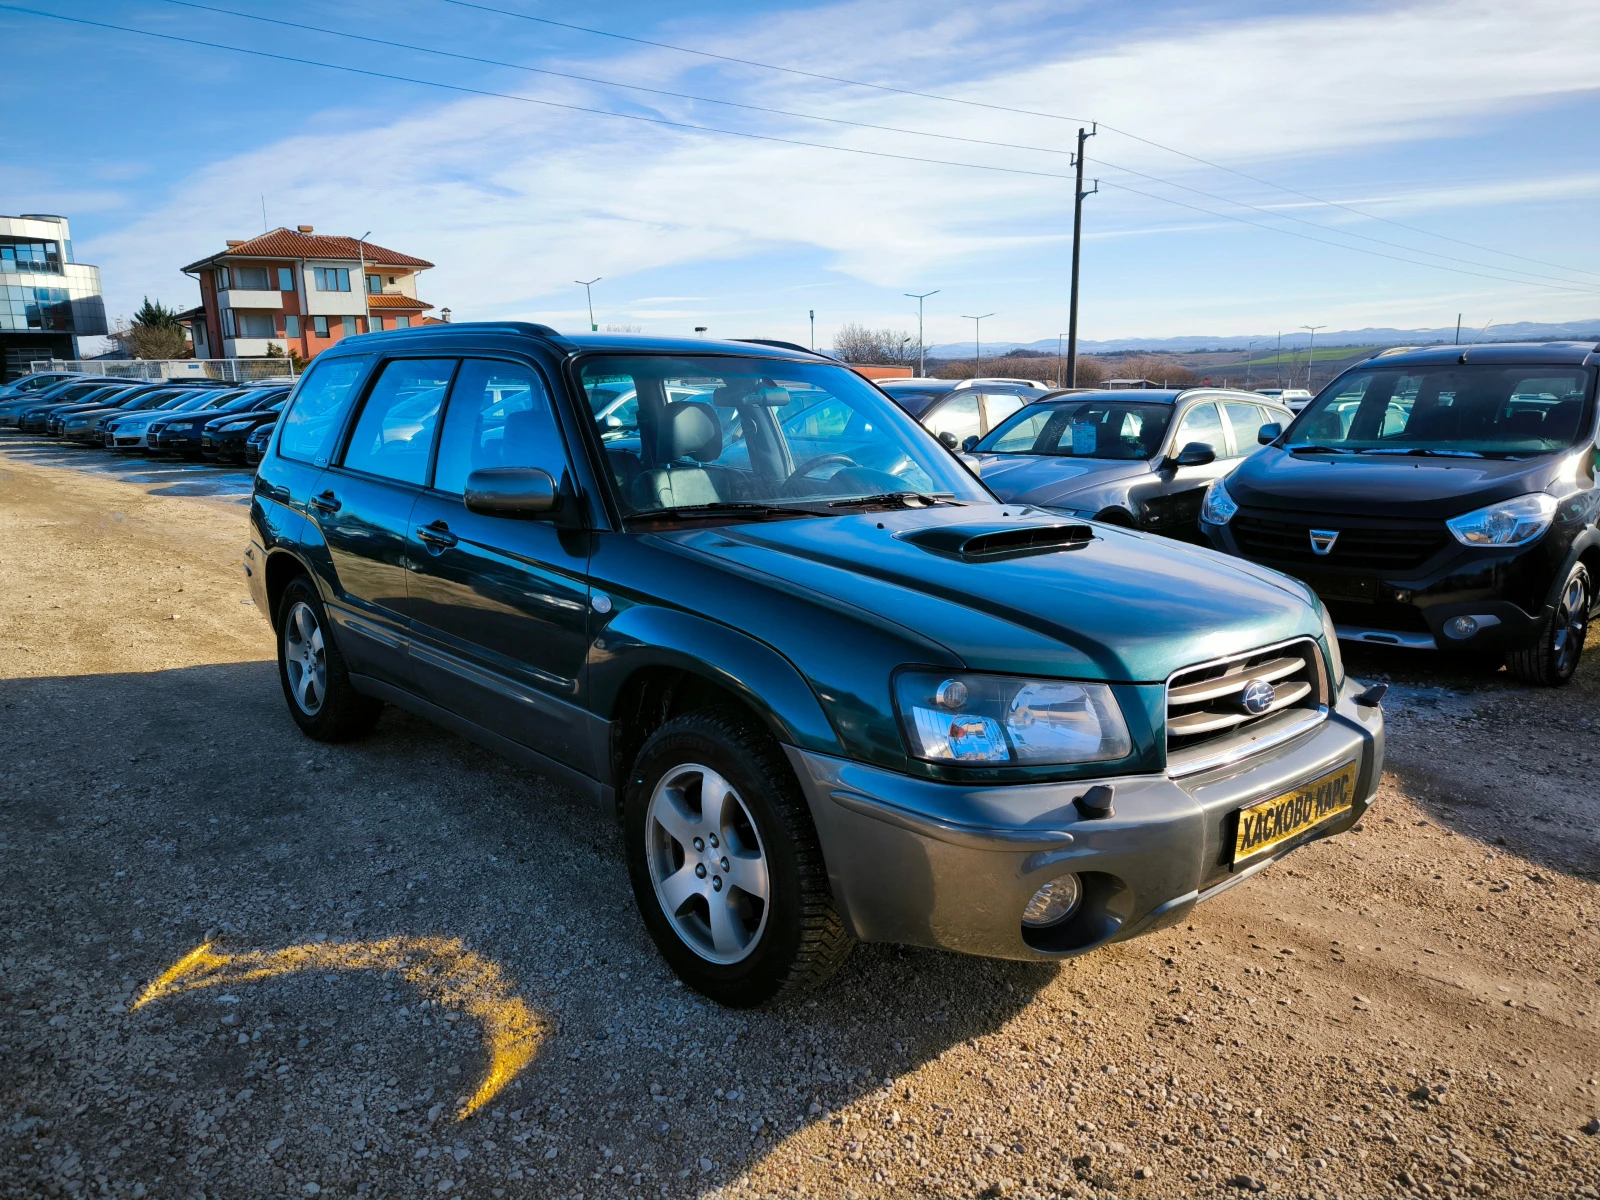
(287, 243)
(390, 300)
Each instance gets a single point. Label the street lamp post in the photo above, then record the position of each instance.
(1059, 336)
(1249, 349)
(813, 313)
(1311, 353)
(361, 255)
(922, 346)
(977, 343)
(589, 296)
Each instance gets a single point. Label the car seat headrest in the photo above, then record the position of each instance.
(690, 429)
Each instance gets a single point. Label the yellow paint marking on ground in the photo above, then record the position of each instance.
(442, 968)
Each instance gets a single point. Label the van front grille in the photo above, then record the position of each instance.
(1222, 711)
(1369, 544)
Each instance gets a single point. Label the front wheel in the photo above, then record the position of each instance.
(725, 864)
(1552, 658)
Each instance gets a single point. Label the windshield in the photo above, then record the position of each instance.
(1123, 429)
(683, 432)
(1450, 409)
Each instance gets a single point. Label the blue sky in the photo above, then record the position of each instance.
(1469, 119)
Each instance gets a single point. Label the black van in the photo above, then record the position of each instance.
(1436, 498)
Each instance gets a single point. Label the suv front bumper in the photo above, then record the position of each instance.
(942, 865)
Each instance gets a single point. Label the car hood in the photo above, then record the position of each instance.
(1381, 485)
(1050, 479)
(1122, 606)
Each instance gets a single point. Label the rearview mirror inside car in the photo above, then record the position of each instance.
(1268, 434)
(949, 440)
(1195, 454)
(512, 492)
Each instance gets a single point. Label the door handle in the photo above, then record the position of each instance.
(437, 535)
(327, 502)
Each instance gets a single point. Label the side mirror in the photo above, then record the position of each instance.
(512, 492)
(1268, 434)
(949, 440)
(970, 442)
(1195, 454)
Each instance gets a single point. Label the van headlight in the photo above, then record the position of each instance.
(1218, 508)
(1514, 522)
(975, 719)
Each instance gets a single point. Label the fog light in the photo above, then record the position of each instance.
(1461, 627)
(1053, 903)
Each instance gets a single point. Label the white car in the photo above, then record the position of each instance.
(132, 432)
(1294, 399)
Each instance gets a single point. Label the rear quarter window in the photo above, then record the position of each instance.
(317, 412)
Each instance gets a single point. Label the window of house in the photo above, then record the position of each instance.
(320, 403)
(319, 326)
(251, 278)
(256, 325)
(394, 434)
(499, 416)
(375, 284)
(331, 279)
(349, 326)
(222, 279)
(229, 329)
(377, 324)
(402, 322)
(291, 326)
(286, 279)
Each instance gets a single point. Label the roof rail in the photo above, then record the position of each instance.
(781, 345)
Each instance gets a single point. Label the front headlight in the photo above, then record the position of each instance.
(977, 719)
(1514, 522)
(1335, 657)
(235, 426)
(1218, 507)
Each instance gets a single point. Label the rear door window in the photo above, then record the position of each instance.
(1202, 423)
(393, 436)
(320, 404)
(958, 416)
(499, 416)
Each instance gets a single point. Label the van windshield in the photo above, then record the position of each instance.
(1453, 410)
(713, 432)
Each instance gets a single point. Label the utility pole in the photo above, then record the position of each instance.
(1458, 329)
(1280, 362)
(922, 346)
(1311, 354)
(1249, 348)
(1078, 195)
(977, 344)
(1059, 336)
(589, 296)
(813, 330)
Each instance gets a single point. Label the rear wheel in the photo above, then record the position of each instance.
(1552, 658)
(725, 864)
(315, 681)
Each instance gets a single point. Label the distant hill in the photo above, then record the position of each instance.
(1519, 331)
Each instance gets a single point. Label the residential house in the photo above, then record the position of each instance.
(299, 290)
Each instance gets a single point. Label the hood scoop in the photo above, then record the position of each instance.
(985, 543)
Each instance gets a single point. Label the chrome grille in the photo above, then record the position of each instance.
(1209, 722)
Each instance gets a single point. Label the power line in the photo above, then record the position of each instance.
(1027, 112)
(377, 41)
(698, 128)
(614, 83)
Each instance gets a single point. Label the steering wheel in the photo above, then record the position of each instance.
(811, 464)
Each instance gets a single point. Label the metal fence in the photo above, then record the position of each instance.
(236, 370)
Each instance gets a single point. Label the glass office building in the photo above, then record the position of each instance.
(47, 301)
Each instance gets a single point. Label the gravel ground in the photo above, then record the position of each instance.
(1408, 1009)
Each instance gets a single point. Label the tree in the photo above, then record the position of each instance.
(875, 347)
(156, 332)
(276, 351)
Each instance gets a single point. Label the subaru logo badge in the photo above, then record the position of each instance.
(1257, 696)
(1322, 540)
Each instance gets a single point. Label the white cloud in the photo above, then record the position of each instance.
(514, 201)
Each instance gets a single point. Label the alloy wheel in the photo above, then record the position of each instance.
(707, 863)
(1572, 624)
(306, 658)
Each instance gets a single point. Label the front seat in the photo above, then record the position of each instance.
(688, 430)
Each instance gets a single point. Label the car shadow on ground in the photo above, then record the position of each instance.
(1507, 763)
(147, 814)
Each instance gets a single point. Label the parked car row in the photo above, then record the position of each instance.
(195, 419)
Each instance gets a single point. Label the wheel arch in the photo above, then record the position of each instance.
(282, 568)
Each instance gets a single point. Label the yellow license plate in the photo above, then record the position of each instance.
(1268, 823)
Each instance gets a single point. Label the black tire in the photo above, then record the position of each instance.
(1551, 659)
(800, 940)
(328, 708)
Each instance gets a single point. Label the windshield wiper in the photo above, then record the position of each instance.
(899, 499)
(730, 508)
(1422, 452)
(1313, 448)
